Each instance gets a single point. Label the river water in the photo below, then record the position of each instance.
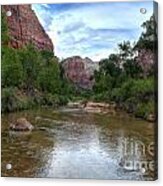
(69, 143)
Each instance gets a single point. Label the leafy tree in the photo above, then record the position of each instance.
(148, 38)
(132, 69)
(12, 69)
(47, 55)
(125, 50)
(31, 62)
(49, 77)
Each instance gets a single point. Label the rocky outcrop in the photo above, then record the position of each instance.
(21, 124)
(146, 59)
(96, 107)
(80, 71)
(24, 27)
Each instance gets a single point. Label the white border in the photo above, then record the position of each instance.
(57, 182)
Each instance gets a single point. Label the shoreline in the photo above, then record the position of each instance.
(106, 108)
(91, 107)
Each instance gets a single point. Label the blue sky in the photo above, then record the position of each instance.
(92, 29)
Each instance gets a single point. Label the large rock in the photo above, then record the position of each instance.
(24, 27)
(80, 71)
(98, 104)
(21, 124)
(97, 107)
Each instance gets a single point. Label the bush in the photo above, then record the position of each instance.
(12, 102)
(36, 74)
(31, 60)
(48, 78)
(104, 96)
(144, 109)
(136, 96)
(12, 69)
(53, 100)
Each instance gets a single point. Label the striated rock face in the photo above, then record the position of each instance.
(80, 71)
(25, 27)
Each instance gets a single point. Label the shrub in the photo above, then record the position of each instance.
(144, 109)
(12, 102)
(12, 69)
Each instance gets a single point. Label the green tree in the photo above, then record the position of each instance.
(132, 69)
(49, 77)
(125, 50)
(148, 38)
(31, 62)
(12, 69)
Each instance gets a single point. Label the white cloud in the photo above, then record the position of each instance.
(91, 30)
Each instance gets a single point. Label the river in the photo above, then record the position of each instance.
(70, 143)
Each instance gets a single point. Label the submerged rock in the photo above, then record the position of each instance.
(21, 124)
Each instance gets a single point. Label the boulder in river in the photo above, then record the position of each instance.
(21, 124)
(97, 107)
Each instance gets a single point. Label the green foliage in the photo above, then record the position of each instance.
(103, 96)
(36, 75)
(8, 99)
(31, 62)
(137, 96)
(35, 78)
(139, 88)
(120, 79)
(12, 101)
(47, 55)
(49, 77)
(103, 83)
(53, 100)
(125, 50)
(149, 38)
(4, 30)
(145, 109)
(109, 74)
(12, 69)
(132, 68)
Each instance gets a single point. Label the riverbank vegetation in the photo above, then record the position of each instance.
(35, 78)
(30, 77)
(126, 80)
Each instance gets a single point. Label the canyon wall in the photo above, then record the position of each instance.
(24, 27)
(80, 71)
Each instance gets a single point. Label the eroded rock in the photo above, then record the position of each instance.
(24, 28)
(97, 107)
(80, 71)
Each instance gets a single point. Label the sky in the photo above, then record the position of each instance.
(92, 29)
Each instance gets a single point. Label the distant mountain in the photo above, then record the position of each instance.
(80, 71)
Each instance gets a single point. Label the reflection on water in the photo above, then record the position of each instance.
(74, 144)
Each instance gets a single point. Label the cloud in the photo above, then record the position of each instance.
(91, 29)
(73, 27)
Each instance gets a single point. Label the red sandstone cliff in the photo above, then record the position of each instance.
(24, 27)
(80, 71)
